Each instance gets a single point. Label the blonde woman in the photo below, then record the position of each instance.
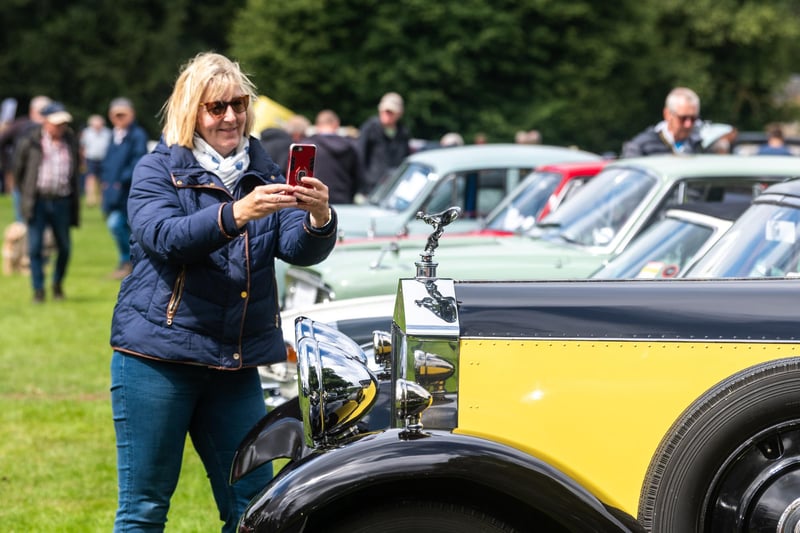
(209, 213)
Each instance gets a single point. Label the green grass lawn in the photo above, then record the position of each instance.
(57, 451)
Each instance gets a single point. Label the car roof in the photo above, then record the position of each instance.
(711, 165)
(472, 156)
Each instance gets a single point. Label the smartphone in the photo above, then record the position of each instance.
(301, 162)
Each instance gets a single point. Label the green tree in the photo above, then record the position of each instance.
(85, 53)
(582, 72)
(467, 66)
(737, 54)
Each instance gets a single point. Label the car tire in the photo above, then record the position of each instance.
(731, 462)
(420, 517)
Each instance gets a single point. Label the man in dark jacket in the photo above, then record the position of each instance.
(337, 163)
(128, 145)
(383, 141)
(276, 142)
(675, 134)
(46, 170)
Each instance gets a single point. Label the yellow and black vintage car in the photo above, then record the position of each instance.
(669, 406)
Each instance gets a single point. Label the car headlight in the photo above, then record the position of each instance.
(336, 388)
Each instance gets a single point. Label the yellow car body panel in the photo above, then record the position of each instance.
(571, 415)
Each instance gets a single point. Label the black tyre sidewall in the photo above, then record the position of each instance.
(702, 441)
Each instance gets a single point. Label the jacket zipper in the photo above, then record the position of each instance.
(175, 299)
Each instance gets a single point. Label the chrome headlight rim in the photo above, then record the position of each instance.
(336, 388)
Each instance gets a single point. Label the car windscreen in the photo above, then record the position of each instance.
(764, 242)
(520, 210)
(402, 187)
(600, 209)
(661, 251)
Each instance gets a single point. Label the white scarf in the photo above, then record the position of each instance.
(677, 147)
(229, 169)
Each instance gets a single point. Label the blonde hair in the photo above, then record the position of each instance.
(205, 78)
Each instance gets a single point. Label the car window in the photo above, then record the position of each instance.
(475, 192)
(660, 252)
(569, 190)
(764, 242)
(729, 190)
(594, 216)
(447, 193)
(403, 187)
(521, 209)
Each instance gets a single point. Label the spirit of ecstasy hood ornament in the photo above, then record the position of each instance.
(426, 268)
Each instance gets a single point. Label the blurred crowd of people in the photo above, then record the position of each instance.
(48, 167)
(48, 164)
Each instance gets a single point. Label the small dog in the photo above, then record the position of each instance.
(15, 248)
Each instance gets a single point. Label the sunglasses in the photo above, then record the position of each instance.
(684, 118)
(218, 108)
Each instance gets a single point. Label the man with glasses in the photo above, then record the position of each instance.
(676, 133)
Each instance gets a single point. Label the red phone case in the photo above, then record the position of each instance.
(301, 162)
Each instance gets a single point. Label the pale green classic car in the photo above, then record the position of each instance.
(599, 222)
(473, 177)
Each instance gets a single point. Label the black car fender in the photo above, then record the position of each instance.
(277, 435)
(429, 465)
(280, 434)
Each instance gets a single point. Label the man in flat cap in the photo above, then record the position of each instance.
(46, 167)
(383, 141)
(128, 145)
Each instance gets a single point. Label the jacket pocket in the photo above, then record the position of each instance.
(175, 298)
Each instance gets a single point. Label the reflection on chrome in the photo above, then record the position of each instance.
(442, 306)
(382, 351)
(335, 386)
(411, 399)
(432, 372)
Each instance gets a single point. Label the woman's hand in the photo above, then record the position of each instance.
(265, 200)
(312, 196)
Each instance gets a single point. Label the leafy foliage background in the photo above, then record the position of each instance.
(585, 72)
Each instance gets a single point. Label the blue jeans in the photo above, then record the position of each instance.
(56, 214)
(155, 404)
(117, 224)
(16, 198)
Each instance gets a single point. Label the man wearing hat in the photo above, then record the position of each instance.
(46, 169)
(127, 146)
(383, 141)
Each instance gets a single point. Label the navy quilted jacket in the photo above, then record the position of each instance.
(202, 291)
